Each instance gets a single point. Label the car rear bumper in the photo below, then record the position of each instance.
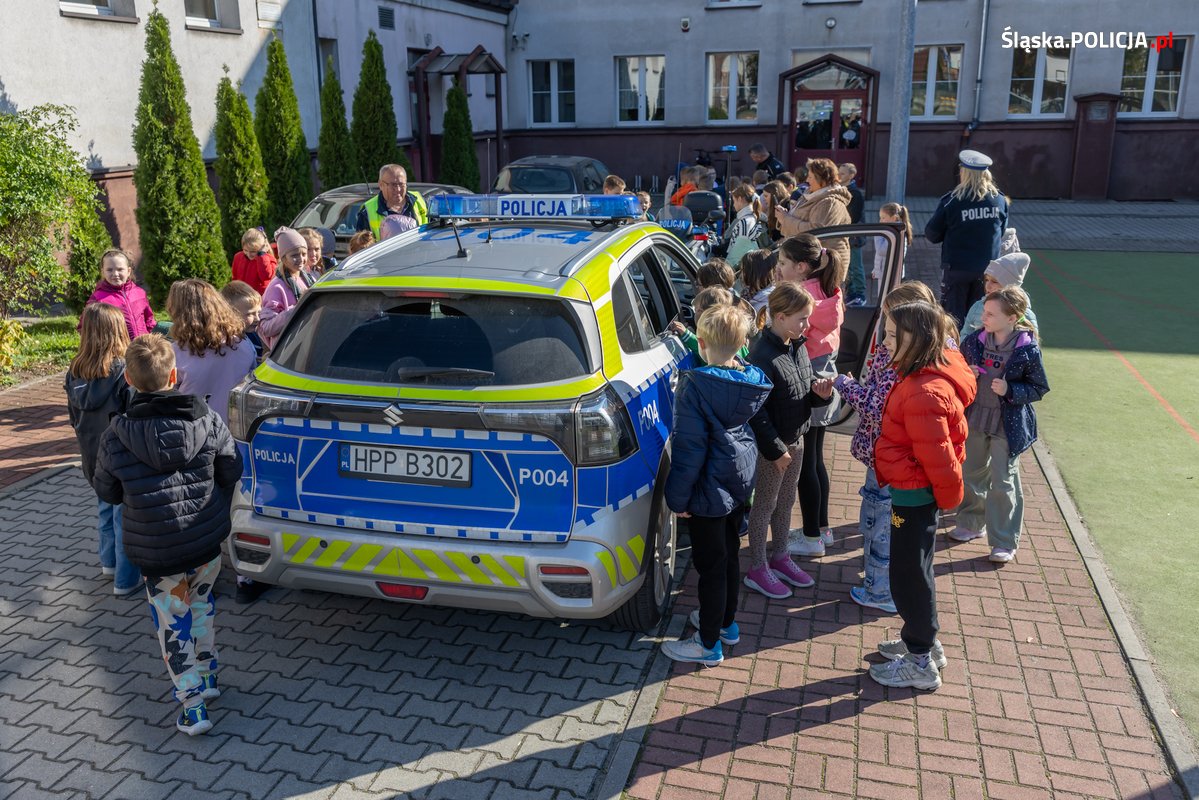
(463, 573)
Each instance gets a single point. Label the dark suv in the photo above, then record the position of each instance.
(552, 175)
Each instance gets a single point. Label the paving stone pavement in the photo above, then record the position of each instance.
(322, 695)
(35, 432)
(1038, 701)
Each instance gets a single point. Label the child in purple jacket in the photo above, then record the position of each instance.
(116, 288)
(868, 399)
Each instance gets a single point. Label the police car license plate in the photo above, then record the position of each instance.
(405, 464)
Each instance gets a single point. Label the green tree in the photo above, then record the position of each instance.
(88, 240)
(243, 189)
(44, 188)
(335, 153)
(281, 138)
(374, 130)
(180, 226)
(459, 160)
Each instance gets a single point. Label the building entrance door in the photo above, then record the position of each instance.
(829, 112)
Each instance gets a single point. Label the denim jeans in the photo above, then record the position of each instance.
(112, 546)
(874, 520)
(855, 280)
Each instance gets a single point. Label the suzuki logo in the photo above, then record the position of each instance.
(394, 415)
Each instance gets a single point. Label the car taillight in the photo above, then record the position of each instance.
(253, 538)
(603, 429)
(403, 591)
(557, 569)
(700, 237)
(248, 402)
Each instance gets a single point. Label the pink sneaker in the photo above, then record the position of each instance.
(787, 570)
(762, 579)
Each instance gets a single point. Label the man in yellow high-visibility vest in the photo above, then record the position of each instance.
(393, 197)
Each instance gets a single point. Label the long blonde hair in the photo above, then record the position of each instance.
(103, 338)
(975, 184)
(201, 318)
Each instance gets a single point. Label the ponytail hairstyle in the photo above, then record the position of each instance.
(103, 338)
(826, 265)
(757, 270)
(747, 194)
(787, 298)
(921, 337)
(1014, 302)
(900, 213)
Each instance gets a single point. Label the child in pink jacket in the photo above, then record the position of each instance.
(116, 288)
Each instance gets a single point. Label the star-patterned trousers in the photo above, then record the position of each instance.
(183, 611)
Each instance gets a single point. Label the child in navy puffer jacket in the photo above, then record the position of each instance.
(712, 474)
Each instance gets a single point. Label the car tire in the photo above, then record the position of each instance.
(644, 610)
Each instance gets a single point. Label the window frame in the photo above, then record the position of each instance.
(730, 97)
(1148, 90)
(930, 85)
(89, 9)
(1039, 86)
(642, 72)
(555, 92)
(624, 291)
(204, 22)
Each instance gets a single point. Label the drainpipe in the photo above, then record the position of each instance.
(978, 80)
(320, 67)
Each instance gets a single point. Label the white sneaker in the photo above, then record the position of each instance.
(826, 537)
(895, 649)
(108, 572)
(907, 671)
(960, 534)
(692, 651)
(1001, 555)
(803, 546)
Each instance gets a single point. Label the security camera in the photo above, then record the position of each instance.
(685, 24)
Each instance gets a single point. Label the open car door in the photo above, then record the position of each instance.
(864, 325)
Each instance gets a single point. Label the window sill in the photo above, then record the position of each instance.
(541, 125)
(713, 5)
(719, 122)
(640, 124)
(1147, 115)
(195, 26)
(98, 17)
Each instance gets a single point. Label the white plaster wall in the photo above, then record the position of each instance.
(593, 33)
(420, 25)
(95, 66)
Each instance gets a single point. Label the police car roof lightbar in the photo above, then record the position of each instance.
(535, 206)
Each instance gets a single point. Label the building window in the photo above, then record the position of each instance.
(202, 13)
(641, 89)
(1039, 81)
(935, 80)
(1152, 79)
(108, 10)
(99, 7)
(552, 92)
(328, 50)
(732, 84)
(270, 14)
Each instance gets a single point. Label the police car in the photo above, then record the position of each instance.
(476, 414)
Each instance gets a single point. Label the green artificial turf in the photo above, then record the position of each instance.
(1131, 467)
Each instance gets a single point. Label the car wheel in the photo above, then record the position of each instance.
(644, 610)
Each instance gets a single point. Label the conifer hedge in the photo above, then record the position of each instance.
(281, 139)
(459, 161)
(176, 211)
(335, 152)
(374, 131)
(243, 189)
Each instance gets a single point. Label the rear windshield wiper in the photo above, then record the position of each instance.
(410, 373)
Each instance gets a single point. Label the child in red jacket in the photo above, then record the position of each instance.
(919, 456)
(255, 264)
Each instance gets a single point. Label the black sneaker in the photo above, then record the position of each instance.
(250, 591)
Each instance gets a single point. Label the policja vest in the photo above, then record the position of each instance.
(416, 205)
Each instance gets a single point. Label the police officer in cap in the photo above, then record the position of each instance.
(968, 224)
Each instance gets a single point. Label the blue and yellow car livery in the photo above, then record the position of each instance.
(475, 414)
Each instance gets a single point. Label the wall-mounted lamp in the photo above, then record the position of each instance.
(685, 24)
(520, 41)
(830, 23)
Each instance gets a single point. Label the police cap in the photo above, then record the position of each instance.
(972, 159)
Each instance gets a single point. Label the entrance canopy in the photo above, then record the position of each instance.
(439, 62)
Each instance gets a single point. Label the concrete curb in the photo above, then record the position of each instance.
(1176, 740)
(628, 747)
(37, 477)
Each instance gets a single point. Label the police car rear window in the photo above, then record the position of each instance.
(425, 338)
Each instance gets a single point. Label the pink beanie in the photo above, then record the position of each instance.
(288, 240)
